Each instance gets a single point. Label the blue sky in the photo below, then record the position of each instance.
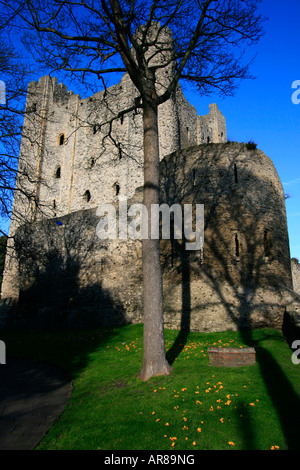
(262, 109)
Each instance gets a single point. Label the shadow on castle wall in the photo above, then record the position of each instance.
(242, 279)
(248, 275)
(57, 277)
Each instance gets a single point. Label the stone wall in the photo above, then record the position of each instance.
(296, 275)
(231, 357)
(75, 155)
(240, 279)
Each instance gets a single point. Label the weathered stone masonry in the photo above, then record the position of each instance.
(241, 278)
(71, 159)
(78, 153)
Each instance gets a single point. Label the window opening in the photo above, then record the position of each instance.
(267, 243)
(87, 196)
(237, 245)
(235, 174)
(58, 172)
(61, 139)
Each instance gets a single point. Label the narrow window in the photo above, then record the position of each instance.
(54, 204)
(122, 119)
(58, 172)
(94, 129)
(87, 196)
(235, 174)
(237, 245)
(61, 139)
(117, 189)
(267, 243)
(194, 177)
(119, 151)
(92, 162)
(208, 140)
(33, 110)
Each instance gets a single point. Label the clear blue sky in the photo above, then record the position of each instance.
(262, 109)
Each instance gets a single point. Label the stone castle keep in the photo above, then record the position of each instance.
(74, 156)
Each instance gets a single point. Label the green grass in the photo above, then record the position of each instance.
(197, 407)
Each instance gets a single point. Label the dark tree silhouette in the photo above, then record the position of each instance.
(197, 41)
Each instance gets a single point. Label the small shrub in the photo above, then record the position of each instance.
(251, 145)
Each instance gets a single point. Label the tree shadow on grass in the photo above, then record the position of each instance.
(284, 398)
(246, 270)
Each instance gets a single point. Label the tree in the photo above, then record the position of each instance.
(13, 75)
(102, 37)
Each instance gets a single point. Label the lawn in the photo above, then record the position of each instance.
(197, 407)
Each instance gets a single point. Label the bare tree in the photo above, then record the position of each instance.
(13, 90)
(101, 37)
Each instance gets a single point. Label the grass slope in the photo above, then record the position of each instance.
(197, 407)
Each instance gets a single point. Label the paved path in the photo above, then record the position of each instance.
(32, 397)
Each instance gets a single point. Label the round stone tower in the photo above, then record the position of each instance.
(242, 276)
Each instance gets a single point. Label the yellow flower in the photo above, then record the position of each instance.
(167, 424)
(222, 420)
(153, 412)
(252, 404)
(194, 443)
(199, 429)
(157, 420)
(274, 447)
(231, 443)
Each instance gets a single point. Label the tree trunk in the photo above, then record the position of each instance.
(154, 360)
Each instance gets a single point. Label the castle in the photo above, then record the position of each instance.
(78, 153)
